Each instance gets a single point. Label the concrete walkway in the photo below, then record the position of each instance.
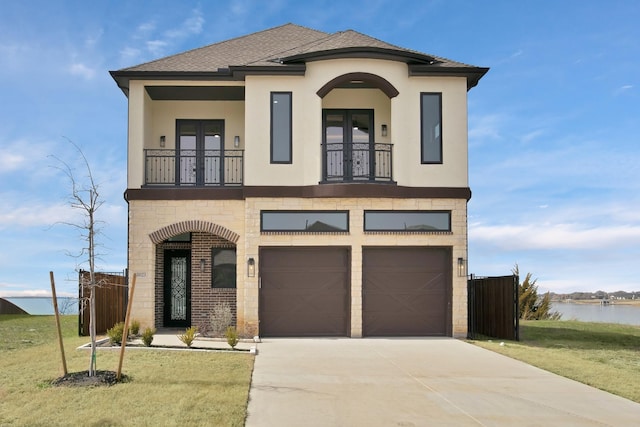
(416, 382)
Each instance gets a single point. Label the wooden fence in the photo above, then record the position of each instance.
(7, 307)
(493, 307)
(111, 296)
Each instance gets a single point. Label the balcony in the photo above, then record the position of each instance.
(357, 162)
(193, 168)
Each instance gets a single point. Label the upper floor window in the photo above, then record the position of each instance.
(431, 127)
(281, 139)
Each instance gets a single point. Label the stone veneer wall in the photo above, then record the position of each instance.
(356, 239)
(204, 298)
(243, 217)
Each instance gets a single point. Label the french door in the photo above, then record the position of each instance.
(177, 288)
(200, 152)
(348, 145)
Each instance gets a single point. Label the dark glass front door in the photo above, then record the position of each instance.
(348, 145)
(177, 288)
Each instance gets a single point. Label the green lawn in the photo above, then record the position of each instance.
(606, 356)
(168, 388)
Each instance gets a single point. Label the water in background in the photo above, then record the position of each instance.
(610, 313)
(44, 305)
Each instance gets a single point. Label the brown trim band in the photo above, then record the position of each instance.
(309, 191)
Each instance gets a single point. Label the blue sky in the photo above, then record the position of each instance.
(553, 127)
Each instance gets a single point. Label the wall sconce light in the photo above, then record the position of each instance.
(251, 267)
(461, 267)
(384, 130)
(163, 139)
(236, 141)
(203, 264)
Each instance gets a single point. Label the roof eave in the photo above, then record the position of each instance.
(472, 74)
(361, 52)
(239, 72)
(123, 77)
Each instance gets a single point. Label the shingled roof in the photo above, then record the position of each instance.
(285, 49)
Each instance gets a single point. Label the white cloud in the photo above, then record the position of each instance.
(156, 47)
(23, 155)
(532, 136)
(11, 161)
(27, 293)
(37, 215)
(145, 29)
(488, 126)
(81, 70)
(128, 54)
(555, 236)
(622, 89)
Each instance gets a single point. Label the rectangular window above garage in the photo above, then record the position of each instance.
(304, 221)
(431, 127)
(407, 221)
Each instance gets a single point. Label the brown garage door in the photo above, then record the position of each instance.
(406, 291)
(304, 291)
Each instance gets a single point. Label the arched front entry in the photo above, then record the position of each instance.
(195, 274)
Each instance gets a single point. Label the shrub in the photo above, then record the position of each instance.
(189, 335)
(532, 306)
(221, 319)
(147, 336)
(115, 333)
(134, 329)
(204, 327)
(232, 336)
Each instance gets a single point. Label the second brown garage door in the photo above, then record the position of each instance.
(406, 291)
(304, 291)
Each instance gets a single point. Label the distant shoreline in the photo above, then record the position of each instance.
(598, 301)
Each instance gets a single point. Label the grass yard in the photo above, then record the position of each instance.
(168, 388)
(605, 356)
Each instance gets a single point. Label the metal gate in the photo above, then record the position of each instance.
(493, 307)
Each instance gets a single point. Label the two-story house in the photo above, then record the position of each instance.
(315, 182)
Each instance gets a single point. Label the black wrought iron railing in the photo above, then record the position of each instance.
(345, 162)
(191, 168)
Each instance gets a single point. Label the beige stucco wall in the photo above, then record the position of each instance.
(250, 120)
(243, 217)
(149, 119)
(404, 123)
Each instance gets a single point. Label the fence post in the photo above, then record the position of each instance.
(516, 302)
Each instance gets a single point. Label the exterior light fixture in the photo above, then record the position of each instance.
(251, 267)
(384, 130)
(461, 267)
(236, 141)
(163, 139)
(203, 263)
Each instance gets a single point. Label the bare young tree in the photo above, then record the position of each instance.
(86, 198)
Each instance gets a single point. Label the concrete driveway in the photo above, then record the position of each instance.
(416, 382)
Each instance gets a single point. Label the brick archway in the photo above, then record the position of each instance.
(164, 233)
